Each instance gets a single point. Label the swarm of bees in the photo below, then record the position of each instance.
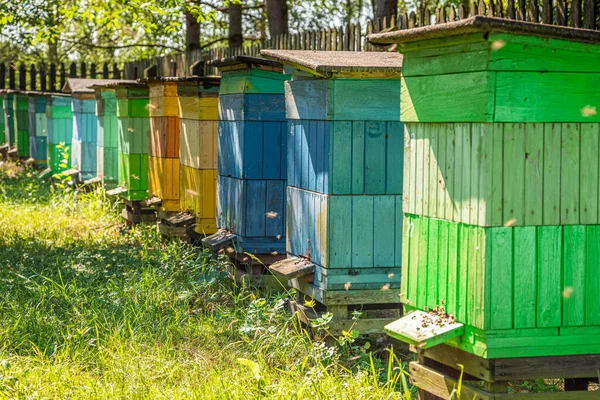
(437, 316)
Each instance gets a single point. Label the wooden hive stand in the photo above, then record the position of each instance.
(251, 158)
(344, 188)
(501, 205)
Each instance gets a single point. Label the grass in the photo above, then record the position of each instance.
(89, 309)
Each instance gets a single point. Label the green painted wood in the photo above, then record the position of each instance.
(250, 84)
(497, 174)
(133, 175)
(524, 297)
(505, 279)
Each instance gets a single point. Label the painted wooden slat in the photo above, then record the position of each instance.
(501, 277)
(549, 250)
(198, 142)
(306, 99)
(533, 175)
(341, 157)
(574, 276)
(432, 264)
(252, 107)
(525, 277)
(421, 268)
(570, 173)
(164, 137)
(339, 212)
(426, 138)
(358, 158)
(407, 184)
(375, 161)
(364, 99)
(362, 231)
(589, 164)
(384, 234)
(592, 276)
(434, 184)
(199, 108)
(449, 173)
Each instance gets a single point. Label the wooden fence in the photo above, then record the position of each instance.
(574, 13)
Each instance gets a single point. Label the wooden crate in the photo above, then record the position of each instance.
(501, 184)
(60, 132)
(344, 169)
(21, 123)
(251, 153)
(38, 129)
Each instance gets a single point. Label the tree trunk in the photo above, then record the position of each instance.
(385, 8)
(52, 53)
(277, 14)
(192, 32)
(236, 38)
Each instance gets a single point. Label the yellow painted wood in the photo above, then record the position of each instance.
(200, 108)
(198, 143)
(198, 194)
(163, 181)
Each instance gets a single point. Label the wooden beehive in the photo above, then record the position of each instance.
(197, 99)
(501, 206)
(21, 123)
(163, 156)
(252, 157)
(107, 145)
(59, 116)
(3, 116)
(344, 168)
(9, 117)
(38, 128)
(134, 132)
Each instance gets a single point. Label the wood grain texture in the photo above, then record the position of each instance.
(133, 175)
(163, 181)
(252, 81)
(252, 107)
(343, 99)
(134, 135)
(344, 231)
(252, 149)
(164, 137)
(518, 279)
(199, 108)
(198, 192)
(198, 144)
(252, 208)
(343, 157)
(496, 174)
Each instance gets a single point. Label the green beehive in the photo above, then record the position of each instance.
(501, 183)
(38, 128)
(133, 138)
(59, 116)
(8, 116)
(108, 135)
(21, 123)
(3, 136)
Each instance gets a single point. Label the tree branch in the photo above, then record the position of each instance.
(124, 46)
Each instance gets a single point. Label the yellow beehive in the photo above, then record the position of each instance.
(198, 144)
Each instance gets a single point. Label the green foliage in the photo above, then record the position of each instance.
(90, 309)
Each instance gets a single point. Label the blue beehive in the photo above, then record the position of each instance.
(252, 154)
(344, 193)
(38, 128)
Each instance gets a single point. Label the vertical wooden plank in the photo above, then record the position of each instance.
(406, 238)
(463, 269)
(422, 244)
(552, 174)
(375, 157)
(271, 151)
(413, 233)
(255, 210)
(534, 173)
(384, 222)
(467, 189)
(433, 171)
(514, 173)
(589, 174)
(492, 174)
(253, 149)
(410, 169)
(525, 277)
(449, 174)
(575, 14)
(433, 263)
(442, 192)
(589, 14)
(442, 271)
(358, 157)
(342, 157)
(500, 268)
(275, 204)
(452, 285)
(476, 195)
(419, 139)
(457, 190)
(592, 276)
(476, 277)
(574, 275)
(570, 171)
(312, 155)
(426, 139)
(340, 217)
(395, 157)
(362, 231)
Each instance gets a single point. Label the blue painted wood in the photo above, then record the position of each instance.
(345, 231)
(343, 157)
(252, 107)
(39, 148)
(85, 127)
(252, 209)
(252, 149)
(384, 278)
(84, 105)
(343, 99)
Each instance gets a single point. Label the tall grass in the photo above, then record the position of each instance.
(89, 309)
